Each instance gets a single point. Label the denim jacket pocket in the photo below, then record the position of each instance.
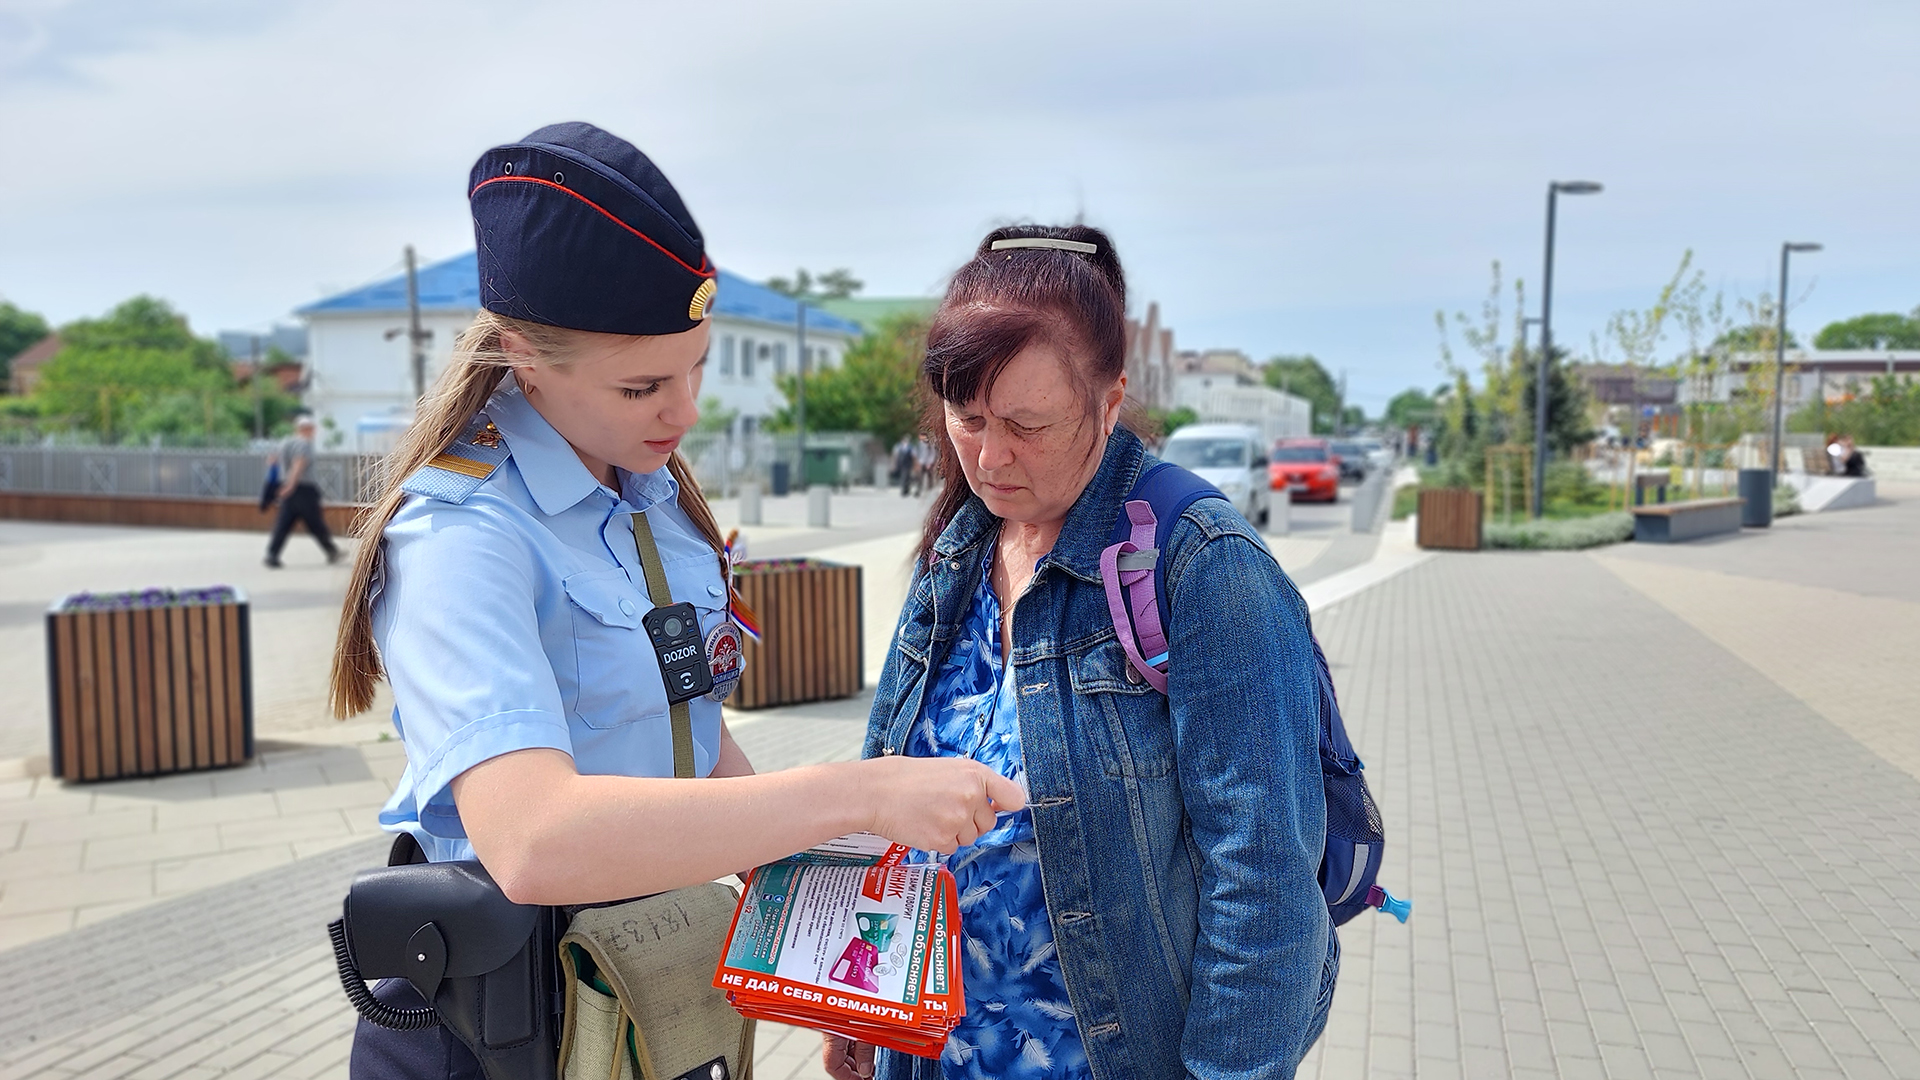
(1126, 716)
(617, 679)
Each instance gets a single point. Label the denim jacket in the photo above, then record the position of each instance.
(1180, 836)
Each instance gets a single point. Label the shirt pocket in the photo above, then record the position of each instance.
(695, 579)
(617, 680)
(1127, 718)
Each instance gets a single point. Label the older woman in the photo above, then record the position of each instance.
(1155, 911)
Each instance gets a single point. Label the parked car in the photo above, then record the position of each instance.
(1353, 459)
(1306, 467)
(1228, 457)
(1378, 453)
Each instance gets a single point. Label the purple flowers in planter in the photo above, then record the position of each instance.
(145, 599)
(749, 566)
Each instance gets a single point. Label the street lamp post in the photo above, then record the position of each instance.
(1554, 190)
(1777, 457)
(800, 390)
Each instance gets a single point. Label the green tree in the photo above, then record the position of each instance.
(875, 388)
(1410, 406)
(1160, 423)
(1887, 415)
(1754, 336)
(1303, 376)
(114, 390)
(140, 371)
(1567, 423)
(714, 416)
(18, 330)
(1880, 331)
(835, 284)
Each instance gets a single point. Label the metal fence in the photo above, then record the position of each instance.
(157, 470)
(721, 461)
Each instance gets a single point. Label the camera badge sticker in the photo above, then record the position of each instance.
(725, 659)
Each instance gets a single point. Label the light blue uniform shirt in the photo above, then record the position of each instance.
(508, 617)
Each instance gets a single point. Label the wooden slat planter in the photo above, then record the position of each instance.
(148, 690)
(1449, 519)
(810, 650)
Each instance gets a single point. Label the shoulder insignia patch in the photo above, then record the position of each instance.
(459, 470)
(463, 466)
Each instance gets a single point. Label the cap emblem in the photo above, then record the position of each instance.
(702, 300)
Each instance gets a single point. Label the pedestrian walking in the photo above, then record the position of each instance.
(1158, 912)
(542, 585)
(903, 464)
(299, 495)
(923, 461)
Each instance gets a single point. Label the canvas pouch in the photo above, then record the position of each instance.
(640, 999)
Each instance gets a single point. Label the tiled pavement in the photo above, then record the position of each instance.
(238, 979)
(1633, 853)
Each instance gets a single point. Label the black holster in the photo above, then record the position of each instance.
(488, 967)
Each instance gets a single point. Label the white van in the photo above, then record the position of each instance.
(1231, 457)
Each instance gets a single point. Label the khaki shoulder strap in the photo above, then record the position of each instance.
(662, 595)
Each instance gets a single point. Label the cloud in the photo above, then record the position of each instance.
(1280, 177)
(51, 41)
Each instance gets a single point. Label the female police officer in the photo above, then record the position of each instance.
(531, 518)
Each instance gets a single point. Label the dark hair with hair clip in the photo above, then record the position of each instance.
(1003, 302)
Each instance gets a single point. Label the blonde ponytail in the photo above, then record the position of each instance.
(457, 396)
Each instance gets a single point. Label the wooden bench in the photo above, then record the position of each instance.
(1671, 523)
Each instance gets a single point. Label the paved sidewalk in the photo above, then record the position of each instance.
(238, 979)
(1631, 853)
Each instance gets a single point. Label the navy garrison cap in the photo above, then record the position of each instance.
(577, 228)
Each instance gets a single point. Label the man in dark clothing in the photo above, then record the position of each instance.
(299, 496)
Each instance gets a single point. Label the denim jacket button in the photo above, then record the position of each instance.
(1133, 675)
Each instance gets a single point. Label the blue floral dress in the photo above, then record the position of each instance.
(1019, 1024)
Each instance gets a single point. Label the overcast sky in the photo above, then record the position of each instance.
(1280, 177)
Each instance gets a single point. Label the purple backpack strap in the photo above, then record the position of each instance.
(1126, 571)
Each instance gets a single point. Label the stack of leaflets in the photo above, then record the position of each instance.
(849, 938)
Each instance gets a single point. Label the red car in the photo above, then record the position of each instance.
(1307, 467)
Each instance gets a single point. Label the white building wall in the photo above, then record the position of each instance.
(358, 378)
(1225, 399)
(355, 372)
(745, 358)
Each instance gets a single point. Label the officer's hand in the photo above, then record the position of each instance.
(846, 1059)
(936, 804)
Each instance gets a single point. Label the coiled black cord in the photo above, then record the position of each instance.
(375, 1010)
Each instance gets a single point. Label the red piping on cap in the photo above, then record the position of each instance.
(702, 272)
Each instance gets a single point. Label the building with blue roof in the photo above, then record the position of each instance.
(360, 381)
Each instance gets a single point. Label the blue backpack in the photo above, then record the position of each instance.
(1135, 580)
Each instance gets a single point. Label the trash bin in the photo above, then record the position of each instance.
(810, 623)
(828, 465)
(149, 683)
(782, 479)
(1756, 487)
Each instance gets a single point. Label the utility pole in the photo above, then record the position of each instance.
(800, 389)
(416, 337)
(259, 406)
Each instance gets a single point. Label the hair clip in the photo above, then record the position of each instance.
(1045, 242)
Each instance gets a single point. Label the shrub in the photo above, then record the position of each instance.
(1786, 501)
(1406, 500)
(1564, 534)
